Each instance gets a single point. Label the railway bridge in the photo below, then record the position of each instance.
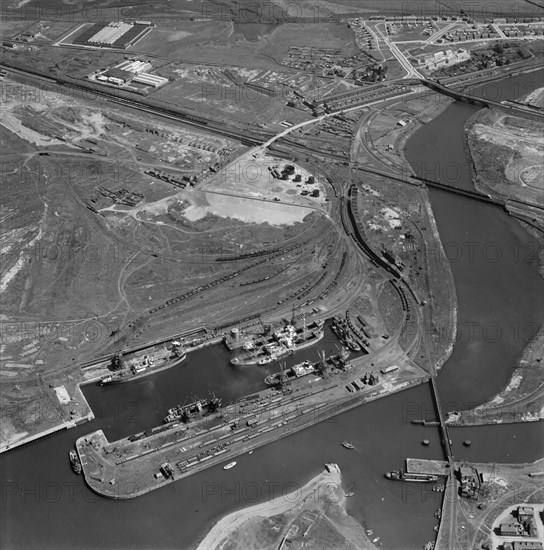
(511, 109)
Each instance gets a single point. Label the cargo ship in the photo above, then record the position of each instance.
(135, 368)
(283, 341)
(75, 463)
(401, 475)
(307, 367)
(197, 408)
(340, 329)
(296, 371)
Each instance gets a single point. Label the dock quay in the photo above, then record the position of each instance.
(424, 466)
(132, 466)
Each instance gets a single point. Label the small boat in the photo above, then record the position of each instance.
(369, 532)
(376, 539)
(349, 494)
(354, 346)
(229, 465)
(347, 445)
(250, 452)
(75, 462)
(426, 442)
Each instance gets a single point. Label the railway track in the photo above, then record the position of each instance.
(112, 95)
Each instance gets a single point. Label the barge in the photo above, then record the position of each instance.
(401, 475)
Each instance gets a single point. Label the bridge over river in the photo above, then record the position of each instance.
(510, 108)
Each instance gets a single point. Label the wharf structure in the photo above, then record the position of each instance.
(139, 464)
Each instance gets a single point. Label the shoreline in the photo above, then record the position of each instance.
(421, 120)
(280, 505)
(511, 405)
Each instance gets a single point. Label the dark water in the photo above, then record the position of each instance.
(44, 505)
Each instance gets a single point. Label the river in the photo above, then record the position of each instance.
(493, 259)
(44, 505)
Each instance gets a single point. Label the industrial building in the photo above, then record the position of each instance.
(132, 70)
(113, 35)
(441, 59)
(135, 66)
(150, 80)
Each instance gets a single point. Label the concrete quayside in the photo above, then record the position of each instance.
(139, 464)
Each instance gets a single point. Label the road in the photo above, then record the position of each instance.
(406, 65)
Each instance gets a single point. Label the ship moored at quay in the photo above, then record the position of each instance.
(288, 339)
(401, 475)
(198, 408)
(154, 360)
(204, 436)
(305, 368)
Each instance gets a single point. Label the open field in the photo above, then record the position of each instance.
(516, 148)
(278, 10)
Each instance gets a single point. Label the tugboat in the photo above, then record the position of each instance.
(347, 445)
(401, 475)
(75, 462)
(229, 465)
(353, 345)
